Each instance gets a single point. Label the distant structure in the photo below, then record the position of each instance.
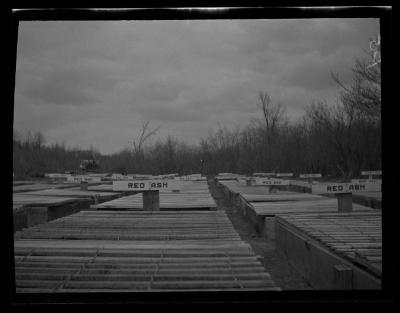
(89, 166)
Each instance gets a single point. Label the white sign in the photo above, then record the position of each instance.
(170, 175)
(78, 179)
(141, 176)
(371, 173)
(367, 181)
(271, 182)
(284, 174)
(263, 174)
(116, 176)
(142, 185)
(97, 174)
(245, 179)
(192, 178)
(121, 177)
(344, 188)
(310, 175)
(57, 175)
(157, 177)
(166, 176)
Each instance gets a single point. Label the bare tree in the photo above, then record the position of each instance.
(363, 93)
(17, 137)
(145, 134)
(272, 113)
(38, 140)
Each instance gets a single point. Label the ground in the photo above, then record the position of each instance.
(274, 263)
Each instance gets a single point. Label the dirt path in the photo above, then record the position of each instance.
(274, 263)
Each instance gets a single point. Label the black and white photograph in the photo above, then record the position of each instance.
(168, 155)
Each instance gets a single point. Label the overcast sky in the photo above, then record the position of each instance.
(94, 82)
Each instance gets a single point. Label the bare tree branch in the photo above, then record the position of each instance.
(272, 113)
(144, 135)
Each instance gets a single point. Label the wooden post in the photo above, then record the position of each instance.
(96, 198)
(345, 202)
(343, 277)
(84, 185)
(151, 200)
(20, 220)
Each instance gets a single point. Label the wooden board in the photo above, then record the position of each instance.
(21, 199)
(260, 208)
(21, 182)
(371, 194)
(193, 195)
(258, 181)
(167, 201)
(83, 178)
(38, 186)
(354, 237)
(284, 174)
(370, 199)
(238, 188)
(300, 183)
(74, 193)
(188, 188)
(102, 187)
(323, 205)
(314, 175)
(129, 251)
(262, 174)
(140, 225)
(281, 196)
(29, 210)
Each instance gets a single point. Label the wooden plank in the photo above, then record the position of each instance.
(167, 201)
(311, 175)
(285, 207)
(39, 186)
(280, 196)
(345, 236)
(209, 254)
(102, 188)
(73, 193)
(42, 209)
(40, 200)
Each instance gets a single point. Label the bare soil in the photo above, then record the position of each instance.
(274, 262)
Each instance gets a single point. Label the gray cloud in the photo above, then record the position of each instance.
(69, 84)
(163, 113)
(102, 78)
(61, 89)
(312, 73)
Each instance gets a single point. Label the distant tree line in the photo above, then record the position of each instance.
(338, 139)
(32, 157)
